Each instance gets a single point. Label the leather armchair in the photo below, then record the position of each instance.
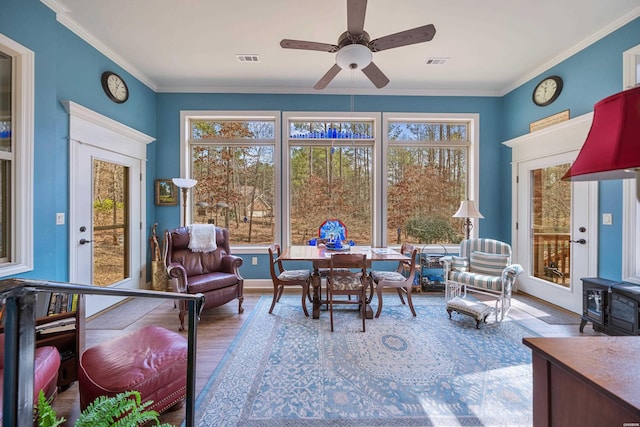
(215, 274)
(45, 372)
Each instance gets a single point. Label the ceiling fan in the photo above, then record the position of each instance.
(355, 49)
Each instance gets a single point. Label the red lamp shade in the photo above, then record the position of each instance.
(612, 148)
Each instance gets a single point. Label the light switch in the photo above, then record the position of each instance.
(60, 218)
(607, 219)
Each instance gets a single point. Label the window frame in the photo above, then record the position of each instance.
(630, 192)
(21, 158)
(334, 116)
(473, 149)
(185, 154)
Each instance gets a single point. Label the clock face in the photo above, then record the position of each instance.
(115, 88)
(547, 91)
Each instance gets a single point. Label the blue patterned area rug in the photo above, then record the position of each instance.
(286, 369)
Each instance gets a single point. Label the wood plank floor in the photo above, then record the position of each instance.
(218, 328)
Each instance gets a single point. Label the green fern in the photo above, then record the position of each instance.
(122, 410)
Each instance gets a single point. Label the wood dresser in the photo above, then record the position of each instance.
(586, 381)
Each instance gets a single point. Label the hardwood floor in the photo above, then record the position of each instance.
(218, 328)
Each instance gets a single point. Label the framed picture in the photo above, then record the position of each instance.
(166, 193)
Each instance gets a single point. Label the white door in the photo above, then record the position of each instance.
(556, 231)
(107, 235)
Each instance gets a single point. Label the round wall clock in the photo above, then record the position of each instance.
(547, 91)
(115, 87)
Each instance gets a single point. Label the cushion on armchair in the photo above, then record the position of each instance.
(489, 264)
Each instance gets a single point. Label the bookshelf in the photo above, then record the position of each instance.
(60, 320)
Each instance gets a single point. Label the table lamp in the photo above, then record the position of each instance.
(467, 210)
(184, 184)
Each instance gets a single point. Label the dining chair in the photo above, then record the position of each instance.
(282, 278)
(401, 279)
(348, 276)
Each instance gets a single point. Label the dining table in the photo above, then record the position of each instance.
(320, 257)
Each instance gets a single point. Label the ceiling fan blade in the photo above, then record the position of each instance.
(403, 38)
(376, 76)
(329, 75)
(306, 45)
(356, 10)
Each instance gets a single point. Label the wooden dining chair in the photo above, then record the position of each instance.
(282, 278)
(348, 276)
(401, 279)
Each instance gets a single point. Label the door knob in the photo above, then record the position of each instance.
(84, 241)
(581, 241)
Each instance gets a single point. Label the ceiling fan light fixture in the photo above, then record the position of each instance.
(354, 56)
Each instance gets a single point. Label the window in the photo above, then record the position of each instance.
(232, 156)
(331, 174)
(631, 194)
(428, 164)
(16, 157)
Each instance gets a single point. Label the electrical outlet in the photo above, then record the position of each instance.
(60, 218)
(254, 260)
(607, 219)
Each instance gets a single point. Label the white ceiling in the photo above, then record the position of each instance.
(492, 46)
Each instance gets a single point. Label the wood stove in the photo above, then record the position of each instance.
(612, 307)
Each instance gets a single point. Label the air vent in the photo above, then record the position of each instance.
(436, 61)
(248, 58)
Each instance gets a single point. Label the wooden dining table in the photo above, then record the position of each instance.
(320, 257)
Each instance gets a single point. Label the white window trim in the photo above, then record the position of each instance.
(288, 117)
(630, 202)
(185, 154)
(22, 180)
(473, 177)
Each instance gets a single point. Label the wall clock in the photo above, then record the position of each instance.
(115, 87)
(547, 91)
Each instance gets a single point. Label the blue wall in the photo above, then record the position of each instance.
(67, 68)
(589, 76)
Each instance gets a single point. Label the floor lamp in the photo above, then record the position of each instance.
(467, 210)
(184, 184)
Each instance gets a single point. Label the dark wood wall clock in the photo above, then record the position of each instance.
(547, 91)
(115, 87)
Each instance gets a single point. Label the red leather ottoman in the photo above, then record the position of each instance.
(152, 361)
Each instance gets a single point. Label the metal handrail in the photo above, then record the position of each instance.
(19, 296)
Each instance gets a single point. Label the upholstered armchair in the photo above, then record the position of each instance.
(213, 272)
(483, 266)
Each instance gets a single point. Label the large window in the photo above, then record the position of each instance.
(232, 158)
(427, 175)
(388, 177)
(16, 158)
(331, 175)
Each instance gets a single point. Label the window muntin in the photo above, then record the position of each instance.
(427, 172)
(233, 161)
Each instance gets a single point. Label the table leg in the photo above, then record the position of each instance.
(315, 284)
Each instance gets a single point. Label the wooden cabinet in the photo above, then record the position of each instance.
(585, 381)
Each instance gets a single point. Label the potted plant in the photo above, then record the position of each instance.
(125, 409)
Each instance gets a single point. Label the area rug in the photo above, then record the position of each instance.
(124, 314)
(285, 369)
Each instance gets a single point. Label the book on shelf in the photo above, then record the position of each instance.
(60, 303)
(62, 325)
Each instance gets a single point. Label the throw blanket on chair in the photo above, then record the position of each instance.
(202, 237)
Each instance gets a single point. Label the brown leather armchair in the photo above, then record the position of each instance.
(215, 274)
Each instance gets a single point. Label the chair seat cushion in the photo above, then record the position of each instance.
(388, 276)
(294, 275)
(493, 283)
(343, 283)
(208, 282)
(152, 360)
